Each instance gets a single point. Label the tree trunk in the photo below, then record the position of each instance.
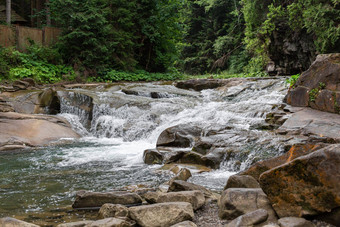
(8, 12)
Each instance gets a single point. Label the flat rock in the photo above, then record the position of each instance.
(161, 214)
(111, 222)
(75, 224)
(25, 130)
(12, 222)
(308, 185)
(295, 222)
(196, 198)
(185, 224)
(238, 201)
(179, 185)
(249, 219)
(97, 199)
(201, 84)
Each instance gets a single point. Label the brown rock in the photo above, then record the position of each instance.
(185, 224)
(111, 222)
(109, 210)
(24, 130)
(75, 224)
(161, 214)
(196, 198)
(152, 156)
(298, 96)
(12, 222)
(308, 185)
(294, 152)
(179, 185)
(97, 199)
(200, 84)
(324, 101)
(295, 222)
(241, 181)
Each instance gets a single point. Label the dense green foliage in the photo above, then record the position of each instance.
(109, 40)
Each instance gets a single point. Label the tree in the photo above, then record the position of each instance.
(8, 12)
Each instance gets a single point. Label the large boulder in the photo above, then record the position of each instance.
(238, 201)
(294, 152)
(319, 86)
(196, 198)
(97, 199)
(308, 185)
(12, 222)
(24, 130)
(161, 214)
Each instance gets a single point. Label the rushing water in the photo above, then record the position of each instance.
(127, 119)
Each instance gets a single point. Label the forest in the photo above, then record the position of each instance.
(110, 40)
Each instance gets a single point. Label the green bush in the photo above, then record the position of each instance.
(292, 80)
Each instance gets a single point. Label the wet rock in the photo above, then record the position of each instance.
(24, 130)
(161, 214)
(308, 185)
(152, 156)
(151, 197)
(5, 106)
(241, 181)
(163, 155)
(111, 222)
(113, 210)
(319, 85)
(97, 199)
(200, 84)
(238, 201)
(249, 219)
(196, 198)
(12, 222)
(185, 224)
(179, 185)
(196, 158)
(295, 222)
(184, 174)
(20, 85)
(294, 152)
(75, 224)
(178, 136)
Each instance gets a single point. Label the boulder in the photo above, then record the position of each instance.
(295, 222)
(163, 155)
(249, 219)
(75, 224)
(241, 181)
(153, 156)
(111, 222)
(109, 210)
(295, 151)
(196, 198)
(151, 197)
(185, 224)
(12, 222)
(178, 136)
(200, 84)
(319, 86)
(97, 199)
(184, 174)
(238, 201)
(308, 185)
(179, 185)
(161, 214)
(25, 130)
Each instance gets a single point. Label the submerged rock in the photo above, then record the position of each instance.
(97, 199)
(12, 222)
(24, 130)
(308, 185)
(161, 214)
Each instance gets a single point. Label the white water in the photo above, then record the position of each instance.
(123, 126)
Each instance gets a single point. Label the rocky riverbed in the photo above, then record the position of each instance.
(216, 152)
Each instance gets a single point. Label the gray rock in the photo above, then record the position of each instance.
(241, 181)
(151, 197)
(75, 224)
(12, 222)
(249, 219)
(97, 199)
(238, 201)
(111, 222)
(161, 214)
(113, 210)
(295, 222)
(185, 224)
(196, 198)
(179, 185)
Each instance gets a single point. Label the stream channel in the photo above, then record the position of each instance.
(125, 120)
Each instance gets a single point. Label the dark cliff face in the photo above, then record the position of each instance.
(291, 52)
